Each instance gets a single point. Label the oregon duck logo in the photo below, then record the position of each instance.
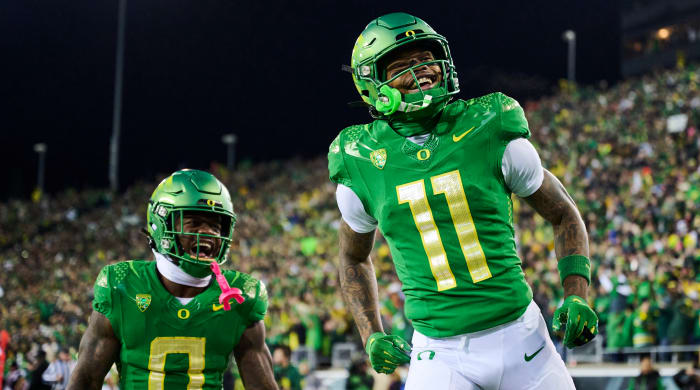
(423, 154)
(378, 158)
(143, 301)
(431, 354)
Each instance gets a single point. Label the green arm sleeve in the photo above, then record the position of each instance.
(336, 163)
(513, 121)
(102, 303)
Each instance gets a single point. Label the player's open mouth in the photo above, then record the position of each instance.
(204, 252)
(426, 82)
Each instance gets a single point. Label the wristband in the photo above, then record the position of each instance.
(574, 265)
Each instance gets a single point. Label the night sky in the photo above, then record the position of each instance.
(268, 71)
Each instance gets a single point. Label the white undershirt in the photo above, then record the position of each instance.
(176, 275)
(521, 167)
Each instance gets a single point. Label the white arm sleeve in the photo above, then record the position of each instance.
(522, 168)
(353, 211)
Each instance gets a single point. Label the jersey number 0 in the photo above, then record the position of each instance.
(450, 184)
(161, 347)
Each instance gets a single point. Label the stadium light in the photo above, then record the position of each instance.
(570, 37)
(230, 141)
(117, 112)
(663, 33)
(40, 148)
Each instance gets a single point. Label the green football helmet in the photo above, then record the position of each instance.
(380, 37)
(189, 190)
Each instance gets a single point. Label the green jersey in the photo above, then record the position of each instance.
(168, 345)
(445, 211)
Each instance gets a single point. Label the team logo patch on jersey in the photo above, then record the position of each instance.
(378, 158)
(143, 301)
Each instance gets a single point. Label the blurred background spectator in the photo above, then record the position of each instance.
(688, 378)
(648, 379)
(37, 369)
(59, 371)
(286, 374)
(15, 378)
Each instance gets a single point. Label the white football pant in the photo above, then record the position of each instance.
(518, 355)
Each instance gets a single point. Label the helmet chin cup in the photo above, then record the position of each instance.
(389, 100)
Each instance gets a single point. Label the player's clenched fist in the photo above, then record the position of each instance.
(386, 352)
(580, 320)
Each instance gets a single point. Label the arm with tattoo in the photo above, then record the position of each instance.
(574, 318)
(358, 282)
(254, 359)
(99, 349)
(555, 205)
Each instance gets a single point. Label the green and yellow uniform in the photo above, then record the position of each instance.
(642, 328)
(167, 345)
(445, 212)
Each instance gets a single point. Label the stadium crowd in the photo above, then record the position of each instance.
(632, 171)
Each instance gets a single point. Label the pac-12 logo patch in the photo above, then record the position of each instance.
(378, 158)
(143, 301)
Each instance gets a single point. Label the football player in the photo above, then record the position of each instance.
(436, 178)
(162, 321)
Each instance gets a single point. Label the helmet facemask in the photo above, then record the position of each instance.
(420, 99)
(175, 241)
(198, 245)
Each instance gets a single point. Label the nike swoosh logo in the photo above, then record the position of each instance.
(216, 307)
(528, 358)
(457, 138)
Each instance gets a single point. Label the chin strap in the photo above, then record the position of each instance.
(390, 101)
(175, 274)
(408, 107)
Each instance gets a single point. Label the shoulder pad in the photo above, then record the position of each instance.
(102, 301)
(255, 295)
(336, 154)
(512, 121)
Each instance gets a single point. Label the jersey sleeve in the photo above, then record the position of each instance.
(254, 307)
(513, 121)
(259, 308)
(102, 303)
(336, 163)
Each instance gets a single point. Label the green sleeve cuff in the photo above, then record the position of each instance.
(574, 265)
